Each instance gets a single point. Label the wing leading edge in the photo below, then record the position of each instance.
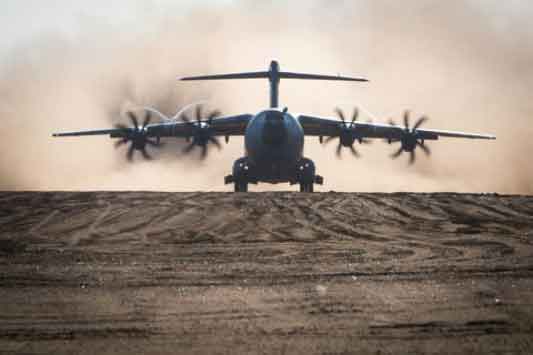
(223, 126)
(323, 126)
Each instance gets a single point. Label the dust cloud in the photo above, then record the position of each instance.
(465, 64)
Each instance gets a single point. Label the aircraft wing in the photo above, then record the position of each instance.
(96, 132)
(327, 127)
(223, 126)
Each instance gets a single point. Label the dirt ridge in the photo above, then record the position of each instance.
(265, 272)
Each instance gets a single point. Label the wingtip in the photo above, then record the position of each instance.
(194, 78)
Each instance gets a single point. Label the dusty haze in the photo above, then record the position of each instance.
(466, 64)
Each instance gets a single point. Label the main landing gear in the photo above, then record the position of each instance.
(307, 187)
(306, 176)
(241, 175)
(240, 186)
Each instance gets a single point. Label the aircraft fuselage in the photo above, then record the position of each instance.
(274, 142)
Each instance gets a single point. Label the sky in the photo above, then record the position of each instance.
(70, 65)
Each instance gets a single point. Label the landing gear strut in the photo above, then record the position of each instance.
(240, 186)
(306, 187)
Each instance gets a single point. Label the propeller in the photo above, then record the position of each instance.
(409, 138)
(346, 136)
(202, 133)
(137, 136)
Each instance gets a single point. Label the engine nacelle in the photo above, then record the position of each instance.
(409, 142)
(346, 137)
(201, 135)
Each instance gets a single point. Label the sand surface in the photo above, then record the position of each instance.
(326, 273)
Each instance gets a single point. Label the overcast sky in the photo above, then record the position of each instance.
(22, 20)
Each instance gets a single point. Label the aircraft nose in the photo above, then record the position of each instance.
(274, 130)
(274, 117)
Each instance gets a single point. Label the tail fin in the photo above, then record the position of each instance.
(274, 75)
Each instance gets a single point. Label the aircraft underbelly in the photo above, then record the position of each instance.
(274, 165)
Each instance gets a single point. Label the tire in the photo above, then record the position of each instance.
(306, 187)
(241, 186)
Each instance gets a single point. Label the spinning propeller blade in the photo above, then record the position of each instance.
(136, 136)
(410, 139)
(202, 134)
(346, 135)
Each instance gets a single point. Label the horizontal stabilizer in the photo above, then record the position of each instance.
(289, 75)
(267, 74)
(250, 75)
(274, 75)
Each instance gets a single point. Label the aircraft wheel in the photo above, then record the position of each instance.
(306, 187)
(241, 186)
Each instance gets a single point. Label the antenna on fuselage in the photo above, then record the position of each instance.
(274, 75)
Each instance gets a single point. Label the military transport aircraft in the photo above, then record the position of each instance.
(273, 138)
